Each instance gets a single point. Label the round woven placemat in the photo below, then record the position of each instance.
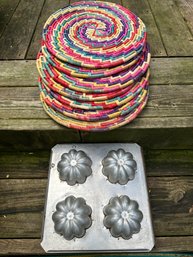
(94, 34)
(97, 85)
(95, 125)
(82, 72)
(95, 115)
(93, 66)
(96, 109)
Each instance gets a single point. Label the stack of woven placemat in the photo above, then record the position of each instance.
(93, 66)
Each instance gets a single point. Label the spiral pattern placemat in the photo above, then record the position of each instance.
(93, 66)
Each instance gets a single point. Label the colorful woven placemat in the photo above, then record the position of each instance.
(93, 66)
(94, 34)
(94, 126)
(71, 94)
(97, 85)
(82, 72)
(95, 115)
(99, 105)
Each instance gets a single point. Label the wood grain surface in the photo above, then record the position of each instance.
(17, 35)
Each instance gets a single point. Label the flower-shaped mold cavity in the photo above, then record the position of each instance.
(74, 167)
(72, 217)
(119, 166)
(122, 217)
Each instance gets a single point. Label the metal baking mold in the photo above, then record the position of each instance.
(119, 166)
(97, 191)
(74, 167)
(72, 217)
(122, 217)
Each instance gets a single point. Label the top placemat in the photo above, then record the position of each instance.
(94, 34)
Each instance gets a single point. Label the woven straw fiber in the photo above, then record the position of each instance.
(93, 66)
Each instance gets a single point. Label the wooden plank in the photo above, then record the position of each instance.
(164, 101)
(139, 123)
(7, 8)
(22, 113)
(24, 164)
(28, 140)
(21, 225)
(150, 133)
(186, 9)
(20, 247)
(167, 106)
(174, 244)
(171, 70)
(169, 162)
(158, 163)
(22, 195)
(150, 138)
(171, 203)
(163, 71)
(163, 244)
(30, 135)
(170, 198)
(15, 165)
(49, 7)
(169, 101)
(176, 36)
(32, 223)
(25, 125)
(142, 9)
(24, 94)
(17, 35)
(155, 122)
(18, 73)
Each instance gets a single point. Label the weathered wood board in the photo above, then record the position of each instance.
(186, 9)
(159, 163)
(7, 8)
(49, 7)
(163, 244)
(175, 34)
(164, 101)
(163, 71)
(22, 200)
(17, 35)
(142, 9)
